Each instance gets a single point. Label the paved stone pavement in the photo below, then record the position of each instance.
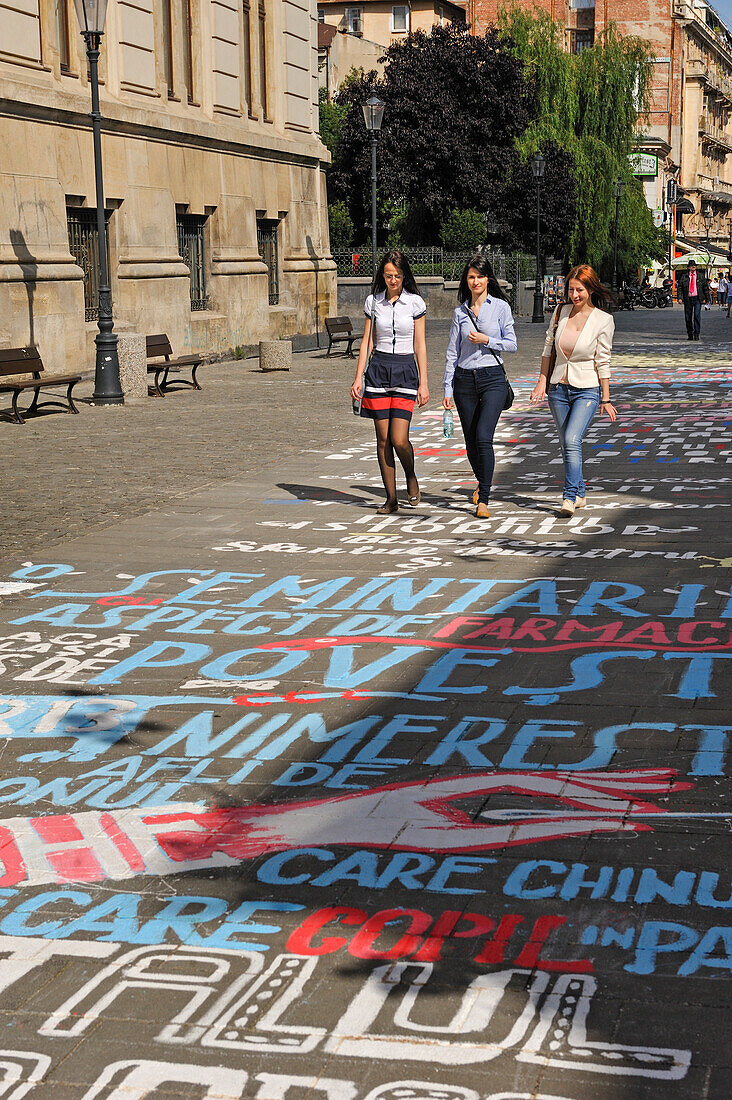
(299, 802)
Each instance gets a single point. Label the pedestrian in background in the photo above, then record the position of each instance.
(396, 374)
(694, 290)
(722, 290)
(575, 372)
(729, 292)
(482, 331)
(713, 288)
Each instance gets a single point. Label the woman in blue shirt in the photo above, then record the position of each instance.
(482, 329)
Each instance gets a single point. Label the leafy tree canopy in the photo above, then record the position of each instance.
(463, 230)
(455, 108)
(589, 105)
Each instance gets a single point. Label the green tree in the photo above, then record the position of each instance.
(331, 118)
(341, 225)
(463, 230)
(589, 105)
(456, 106)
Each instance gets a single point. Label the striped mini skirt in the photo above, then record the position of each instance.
(390, 386)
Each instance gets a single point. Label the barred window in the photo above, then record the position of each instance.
(83, 233)
(192, 249)
(268, 250)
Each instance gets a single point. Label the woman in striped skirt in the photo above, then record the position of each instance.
(396, 375)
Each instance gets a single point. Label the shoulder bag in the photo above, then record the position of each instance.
(510, 395)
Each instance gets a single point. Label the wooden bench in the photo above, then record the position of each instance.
(19, 361)
(158, 347)
(339, 330)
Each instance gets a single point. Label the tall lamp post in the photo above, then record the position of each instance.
(618, 188)
(537, 168)
(107, 389)
(373, 113)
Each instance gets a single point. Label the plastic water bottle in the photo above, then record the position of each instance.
(357, 404)
(448, 424)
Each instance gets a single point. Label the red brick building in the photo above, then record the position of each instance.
(688, 131)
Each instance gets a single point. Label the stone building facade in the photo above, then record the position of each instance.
(213, 171)
(687, 134)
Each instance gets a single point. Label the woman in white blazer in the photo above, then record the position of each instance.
(575, 372)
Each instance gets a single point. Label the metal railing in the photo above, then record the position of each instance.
(192, 249)
(84, 247)
(434, 260)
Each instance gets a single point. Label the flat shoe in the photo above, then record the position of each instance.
(580, 502)
(414, 501)
(388, 508)
(482, 512)
(476, 496)
(567, 508)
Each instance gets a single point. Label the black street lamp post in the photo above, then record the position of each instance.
(107, 389)
(537, 167)
(373, 113)
(618, 188)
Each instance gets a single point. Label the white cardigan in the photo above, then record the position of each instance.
(590, 359)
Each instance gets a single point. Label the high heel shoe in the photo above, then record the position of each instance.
(415, 500)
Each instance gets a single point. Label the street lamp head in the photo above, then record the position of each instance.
(619, 188)
(91, 15)
(537, 166)
(373, 112)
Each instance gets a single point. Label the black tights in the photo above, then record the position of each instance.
(393, 436)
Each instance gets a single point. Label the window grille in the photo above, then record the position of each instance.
(84, 247)
(267, 245)
(192, 249)
(581, 40)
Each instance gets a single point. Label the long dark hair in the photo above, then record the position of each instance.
(600, 295)
(480, 263)
(401, 263)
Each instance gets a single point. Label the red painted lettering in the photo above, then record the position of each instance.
(300, 941)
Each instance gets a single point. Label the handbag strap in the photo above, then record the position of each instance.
(471, 316)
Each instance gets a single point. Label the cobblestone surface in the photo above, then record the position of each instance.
(65, 476)
(298, 802)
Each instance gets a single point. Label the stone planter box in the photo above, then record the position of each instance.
(275, 355)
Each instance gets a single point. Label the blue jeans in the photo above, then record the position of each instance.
(692, 316)
(479, 399)
(572, 409)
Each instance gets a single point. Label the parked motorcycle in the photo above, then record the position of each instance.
(628, 297)
(664, 294)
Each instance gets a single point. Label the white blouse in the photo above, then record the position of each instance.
(394, 321)
(589, 360)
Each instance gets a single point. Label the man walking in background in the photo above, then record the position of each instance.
(694, 290)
